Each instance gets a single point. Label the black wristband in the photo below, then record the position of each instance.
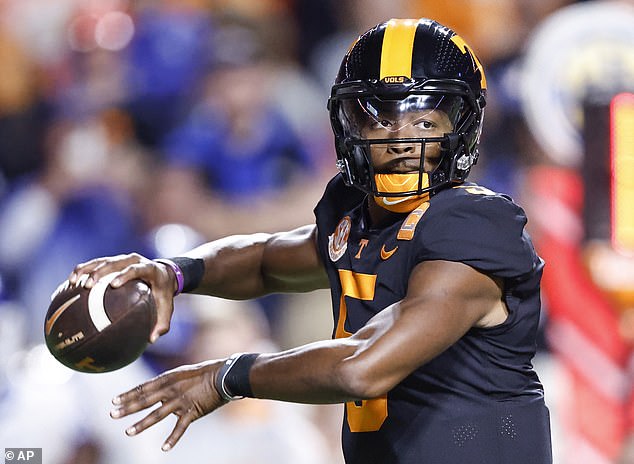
(232, 381)
(193, 271)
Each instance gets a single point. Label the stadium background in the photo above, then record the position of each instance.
(152, 126)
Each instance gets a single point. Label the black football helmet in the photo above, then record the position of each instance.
(407, 65)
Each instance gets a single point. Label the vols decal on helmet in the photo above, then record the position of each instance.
(338, 241)
(466, 49)
(397, 49)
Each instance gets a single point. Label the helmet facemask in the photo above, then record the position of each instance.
(422, 141)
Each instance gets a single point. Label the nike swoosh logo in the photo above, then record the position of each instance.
(394, 202)
(58, 312)
(387, 254)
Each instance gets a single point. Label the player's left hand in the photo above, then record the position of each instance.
(187, 391)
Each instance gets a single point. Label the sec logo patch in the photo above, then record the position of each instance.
(338, 241)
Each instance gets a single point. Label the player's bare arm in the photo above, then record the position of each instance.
(237, 267)
(249, 266)
(444, 301)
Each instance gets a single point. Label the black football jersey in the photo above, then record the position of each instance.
(479, 401)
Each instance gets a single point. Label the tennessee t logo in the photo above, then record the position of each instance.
(387, 254)
(362, 244)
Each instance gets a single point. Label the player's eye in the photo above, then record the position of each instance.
(425, 124)
(382, 124)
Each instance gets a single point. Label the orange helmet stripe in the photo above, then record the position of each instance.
(398, 45)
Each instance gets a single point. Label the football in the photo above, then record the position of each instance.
(101, 329)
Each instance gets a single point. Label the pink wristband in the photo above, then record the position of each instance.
(180, 279)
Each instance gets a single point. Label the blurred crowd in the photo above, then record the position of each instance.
(153, 126)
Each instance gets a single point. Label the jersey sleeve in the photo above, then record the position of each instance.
(337, 201)
(485, 232)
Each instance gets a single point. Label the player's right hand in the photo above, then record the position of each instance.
(161, 280)
(188, 392)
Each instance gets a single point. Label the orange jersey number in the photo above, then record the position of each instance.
(370, 415)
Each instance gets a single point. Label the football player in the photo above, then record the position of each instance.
(434, 281)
